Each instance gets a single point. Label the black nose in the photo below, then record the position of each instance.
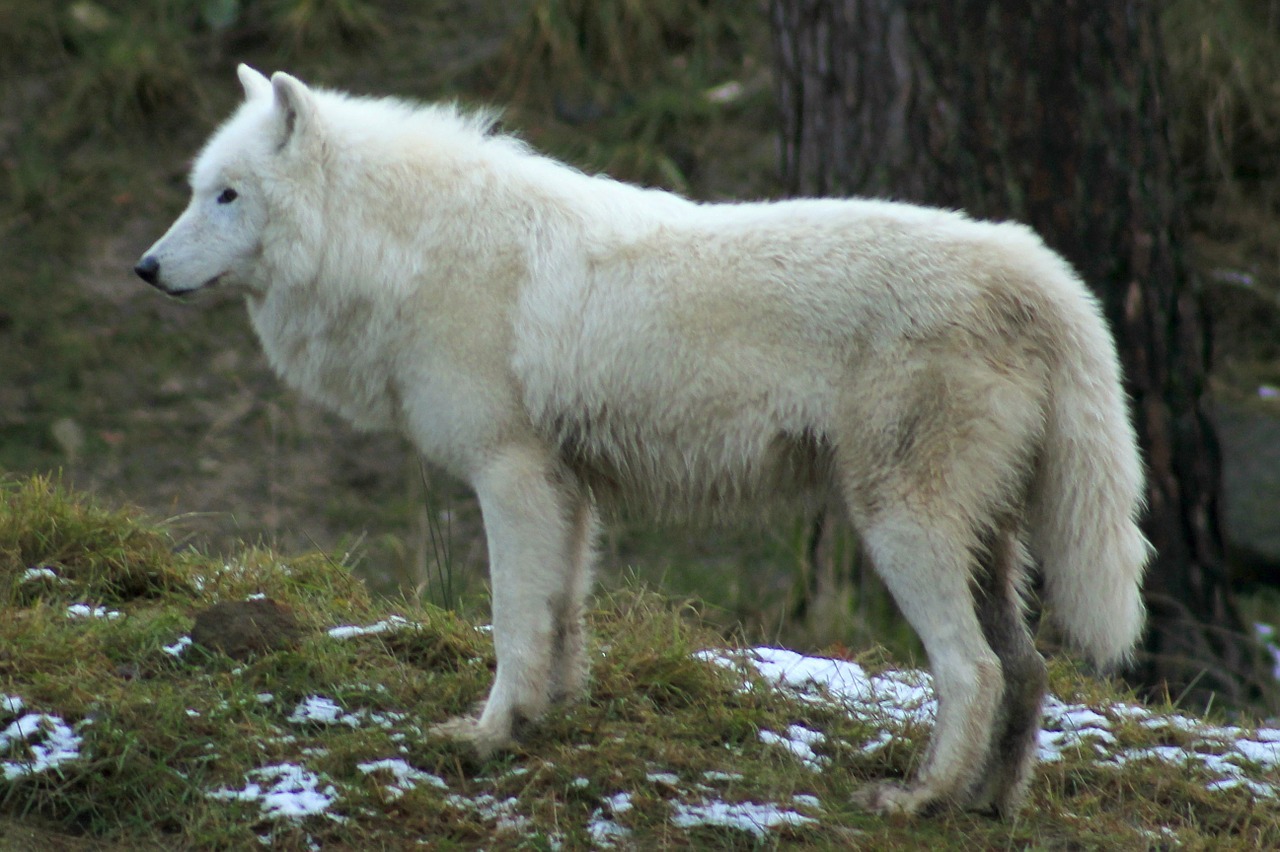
(148, 269)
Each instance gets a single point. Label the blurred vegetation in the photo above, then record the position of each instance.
(645, 77)
(1225, 95)
(102, 103)
(636, 88)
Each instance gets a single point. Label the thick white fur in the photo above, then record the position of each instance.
(559, 340)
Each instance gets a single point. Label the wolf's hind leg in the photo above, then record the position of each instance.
(569, 664)
(1001, 609)
(926, 565)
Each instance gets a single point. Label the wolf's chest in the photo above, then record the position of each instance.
(339, 355)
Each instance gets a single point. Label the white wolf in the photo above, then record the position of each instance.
(559, 341)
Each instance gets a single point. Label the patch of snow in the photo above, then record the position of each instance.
(34, 742)
(87, 611)
(391, 623)
(900, 697)
(879, 741)
(285, 791)
(894, 700)
(1070, 726)
(605, 832)
(406, 776)
(1258, 788)
(619, 803)
(800, 741)
(501, 812)
(804, 800)
(1131, 711)
(322, 710)
(1176, 722)
(745, 816)
(39, 573)
(669, 779)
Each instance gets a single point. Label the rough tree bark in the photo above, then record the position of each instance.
(1049, 112)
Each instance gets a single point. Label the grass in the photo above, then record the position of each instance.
(172, 741)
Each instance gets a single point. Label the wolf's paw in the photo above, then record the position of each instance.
(999, 804)
(1000, 794)
(889, 797)
(467, 729)
(567, 695)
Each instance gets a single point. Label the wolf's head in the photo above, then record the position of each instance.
(238, 188)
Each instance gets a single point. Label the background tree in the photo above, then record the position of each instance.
(1050, 112)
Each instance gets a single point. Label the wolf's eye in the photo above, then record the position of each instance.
(227, 196)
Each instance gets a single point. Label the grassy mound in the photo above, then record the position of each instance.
(115, 728)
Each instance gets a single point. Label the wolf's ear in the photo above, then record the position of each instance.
(295, 105)
(255, 85)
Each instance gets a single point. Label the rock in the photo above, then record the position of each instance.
(1249, 434)
(242, 629)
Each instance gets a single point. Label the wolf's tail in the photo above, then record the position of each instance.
(1088, 492)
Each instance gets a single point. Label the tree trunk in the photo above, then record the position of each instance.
(1048, 112)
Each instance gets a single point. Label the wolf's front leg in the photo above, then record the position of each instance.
(533, 527)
